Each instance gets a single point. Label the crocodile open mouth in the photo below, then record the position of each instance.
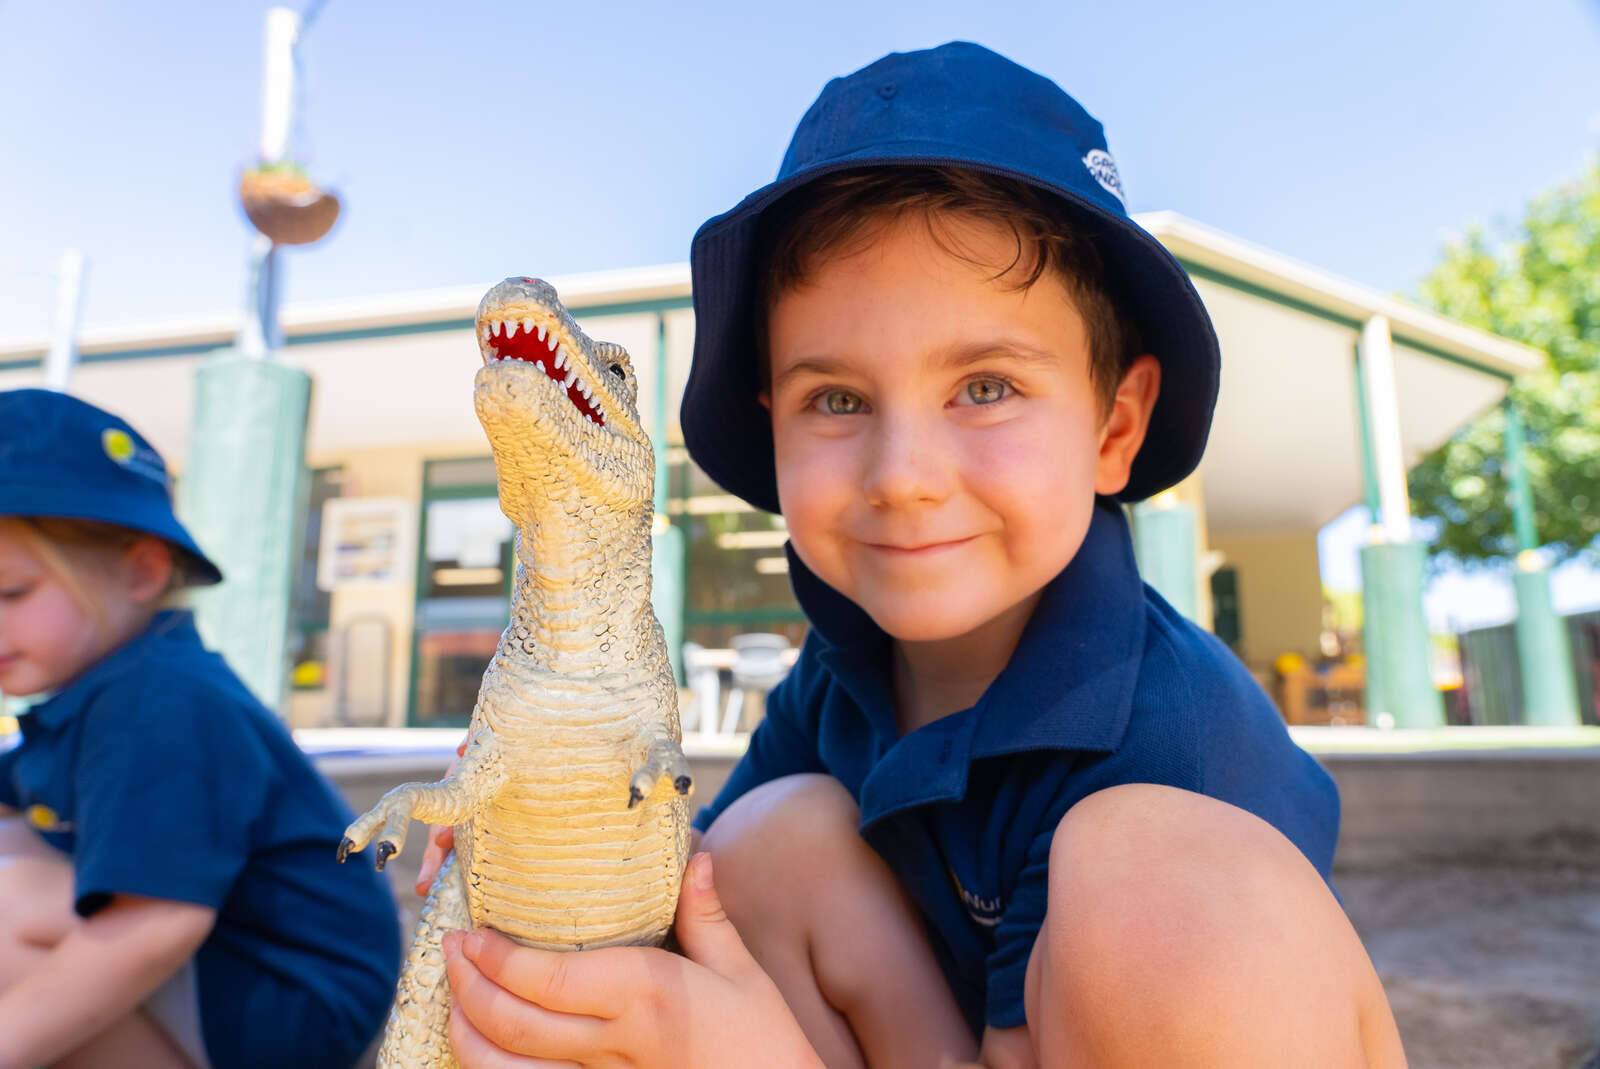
(513, 339)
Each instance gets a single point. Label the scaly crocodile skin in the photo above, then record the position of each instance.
(571, 826)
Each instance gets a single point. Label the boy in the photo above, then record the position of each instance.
(1009, 804)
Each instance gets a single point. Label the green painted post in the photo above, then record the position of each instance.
(1549, 687)
(1400, 690)
(669, 550)
(1164, 544)
(243, 495)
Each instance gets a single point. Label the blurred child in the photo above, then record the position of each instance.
(171, 897)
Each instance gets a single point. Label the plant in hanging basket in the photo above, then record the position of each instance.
(285, 205)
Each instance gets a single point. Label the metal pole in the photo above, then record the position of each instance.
(63, 356)
(1377, 369)
(1549, 685)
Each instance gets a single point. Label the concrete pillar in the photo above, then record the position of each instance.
(1164, 543)
(1400, 691)
(1549, 688)
(242, 494)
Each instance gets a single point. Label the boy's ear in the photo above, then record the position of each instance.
(148, 567)
(766, 400)
(1126, 424)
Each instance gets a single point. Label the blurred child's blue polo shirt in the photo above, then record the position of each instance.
(1108, 685)
(161, 775)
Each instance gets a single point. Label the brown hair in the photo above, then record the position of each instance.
(840, 213)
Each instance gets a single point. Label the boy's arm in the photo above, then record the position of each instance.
(98, 974)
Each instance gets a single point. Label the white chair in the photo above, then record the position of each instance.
(758, 665)
(705, 688)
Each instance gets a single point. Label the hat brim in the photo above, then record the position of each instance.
(135, 512)
(729, 433)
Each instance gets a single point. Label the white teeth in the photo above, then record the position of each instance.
(498, 326)
(552, 342)
(583, 388)
(572, 377)
(561, 357)
(539, 364)
(541, 332)
(527, 326)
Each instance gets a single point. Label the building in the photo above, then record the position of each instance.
(1329, 391)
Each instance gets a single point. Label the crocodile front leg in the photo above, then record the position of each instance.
(477, 778)
(662, 757)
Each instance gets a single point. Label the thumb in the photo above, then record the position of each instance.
(704, 931)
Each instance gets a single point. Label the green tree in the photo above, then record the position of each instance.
(1537, 282)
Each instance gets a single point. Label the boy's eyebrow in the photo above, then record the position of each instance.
(958, 357)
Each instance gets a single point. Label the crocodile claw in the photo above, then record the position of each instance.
(345, 846)
(386, 850)
(683, 785)
(635, 796)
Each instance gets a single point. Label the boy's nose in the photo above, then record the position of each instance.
(907, 463)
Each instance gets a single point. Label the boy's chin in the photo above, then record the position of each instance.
(938, 621)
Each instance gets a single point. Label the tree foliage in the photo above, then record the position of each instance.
(1537, 282)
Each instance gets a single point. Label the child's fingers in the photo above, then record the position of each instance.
(596, 983)
(441, 838)
(509, 1022)
(473, 1051)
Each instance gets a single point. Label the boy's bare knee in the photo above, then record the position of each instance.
(1171, 913)
(792, 816)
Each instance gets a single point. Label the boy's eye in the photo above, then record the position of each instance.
(841, 402)
(987, 391)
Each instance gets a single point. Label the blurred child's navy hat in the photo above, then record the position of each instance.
(956, 105)
(62, 457)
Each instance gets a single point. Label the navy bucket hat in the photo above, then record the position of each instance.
(956, 105)
(62, 457)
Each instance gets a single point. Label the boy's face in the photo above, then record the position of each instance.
(938, 440)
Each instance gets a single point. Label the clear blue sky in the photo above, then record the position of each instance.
(476, 140)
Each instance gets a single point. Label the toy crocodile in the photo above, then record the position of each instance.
(571, 826)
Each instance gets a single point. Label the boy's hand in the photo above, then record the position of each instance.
(441, 839)
(624, 1006)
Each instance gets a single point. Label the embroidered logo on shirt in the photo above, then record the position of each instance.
(1104, 170)
(43, 818)
(984, 911)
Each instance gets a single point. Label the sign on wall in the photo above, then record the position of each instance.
(366, 541)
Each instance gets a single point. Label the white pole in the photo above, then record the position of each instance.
(63, 356)
(261, 335)
(1383, 410)
(277, 83)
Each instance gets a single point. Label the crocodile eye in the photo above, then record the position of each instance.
(616, 369)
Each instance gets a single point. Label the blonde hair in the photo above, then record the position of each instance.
(70, 548)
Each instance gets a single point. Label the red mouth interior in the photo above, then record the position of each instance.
(518, 344)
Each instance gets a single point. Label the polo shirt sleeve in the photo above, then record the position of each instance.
(8, 785)
(784, 743)
(171, 783)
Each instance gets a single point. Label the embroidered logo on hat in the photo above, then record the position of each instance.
(1104, 170)
(120, 447)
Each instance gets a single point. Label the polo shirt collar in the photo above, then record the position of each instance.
(1068, 686)
(64, 703)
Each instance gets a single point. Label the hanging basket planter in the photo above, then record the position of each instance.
(286, 206)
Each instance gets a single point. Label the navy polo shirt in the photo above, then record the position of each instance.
(1108, 685)
(160, 775)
